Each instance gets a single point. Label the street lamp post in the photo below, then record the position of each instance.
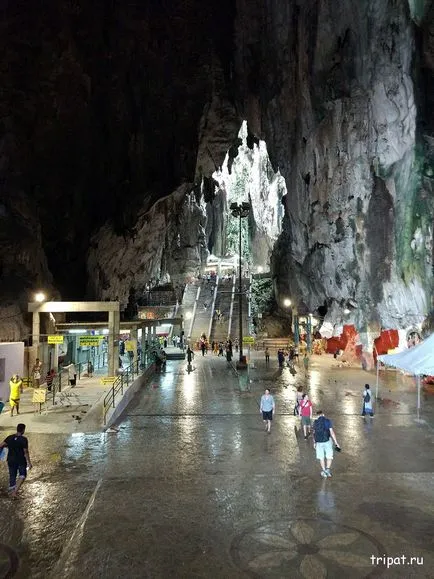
(240, 211)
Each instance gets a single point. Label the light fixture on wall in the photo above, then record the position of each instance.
(40, 297)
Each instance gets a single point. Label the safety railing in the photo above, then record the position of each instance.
(127, 377)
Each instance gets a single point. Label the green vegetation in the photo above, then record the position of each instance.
(262, 295)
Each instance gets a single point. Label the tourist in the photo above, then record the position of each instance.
(323, 435)
(203, 347)
(230, 346)
(267, 407)
(51, 374)
(18, 458)
(280, 358)
(221, 349)
(190, 355)
(306, 414)
(267, 356)
(15, 391)
(72, 374)
(36, 373)
(90, 369)
(299, 397)
(367, 402)
(306, 363)
(228, 353)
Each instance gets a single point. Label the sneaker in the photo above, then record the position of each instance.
(323, 474)
(328, 473)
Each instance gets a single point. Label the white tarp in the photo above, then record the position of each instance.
(418, 360)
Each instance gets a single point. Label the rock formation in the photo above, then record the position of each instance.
(116, 116)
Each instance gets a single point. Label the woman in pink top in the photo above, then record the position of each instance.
(306, 415)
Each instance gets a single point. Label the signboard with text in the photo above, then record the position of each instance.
(55, 339)
(248, 340)
(89, 341)
(108, 380)
(39, 396)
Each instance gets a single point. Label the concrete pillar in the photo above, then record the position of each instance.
(36, 329)
(117, 331)
(133, 337)
(111, 345)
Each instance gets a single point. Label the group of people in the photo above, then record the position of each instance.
(322, 429)
(219, 348)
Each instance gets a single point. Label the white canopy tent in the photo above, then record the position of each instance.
(418, 361)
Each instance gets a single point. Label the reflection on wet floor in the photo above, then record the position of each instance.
(191, 459)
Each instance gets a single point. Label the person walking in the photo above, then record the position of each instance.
(15, 391)
(89, 369)
(51, 374)
(18, 458)
(190, 355)
(298, 400)
(306, 409)
(72, 374)
(36, 373)
(267, 408)
(306, 363)
(367, 402)
(280, 358)
(267, 356)
(324, 436)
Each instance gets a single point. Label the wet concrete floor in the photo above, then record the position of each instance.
(192, 486)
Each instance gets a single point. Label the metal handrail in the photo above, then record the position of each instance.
(122, 381)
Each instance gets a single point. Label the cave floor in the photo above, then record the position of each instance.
(192, 486)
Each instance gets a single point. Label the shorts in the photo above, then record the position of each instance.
(324, 450)
(16, 470)
(267, 415)
(305, 421)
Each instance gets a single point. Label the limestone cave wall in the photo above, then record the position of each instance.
(114, 117)
(332, 87)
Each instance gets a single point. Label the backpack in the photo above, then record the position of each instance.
(367, 398)
(321, 432)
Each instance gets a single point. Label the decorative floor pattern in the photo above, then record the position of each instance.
(306, 549)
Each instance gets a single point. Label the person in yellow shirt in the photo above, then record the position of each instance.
(16, 388)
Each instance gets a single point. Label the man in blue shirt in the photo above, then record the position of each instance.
(323, 435)
(267, 407)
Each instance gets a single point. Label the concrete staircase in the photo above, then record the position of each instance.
(235, 325)
(202, 318)
(219, 331)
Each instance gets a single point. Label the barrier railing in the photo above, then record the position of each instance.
(122, 382)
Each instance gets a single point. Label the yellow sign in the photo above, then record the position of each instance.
(130, 345)
(39, 396)
(108, 380)
(55, 339)
(248, 340)
(88, 341)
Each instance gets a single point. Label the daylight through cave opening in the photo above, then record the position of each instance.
(249, 176)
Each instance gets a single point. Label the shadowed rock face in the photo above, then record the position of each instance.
(107, 108)
(334, 101)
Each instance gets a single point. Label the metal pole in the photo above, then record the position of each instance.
(240, 299)
(296, 327)
(378, 374)
(308, 334)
